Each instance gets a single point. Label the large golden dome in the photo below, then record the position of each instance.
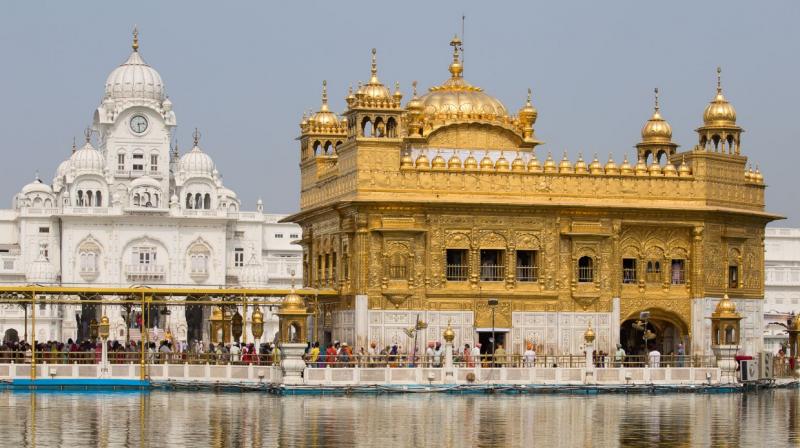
(456, 98)
(719, 111)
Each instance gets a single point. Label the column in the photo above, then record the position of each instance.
(361, 321)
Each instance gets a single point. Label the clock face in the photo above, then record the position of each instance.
(138, 124)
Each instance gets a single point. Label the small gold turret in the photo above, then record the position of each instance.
(533, 164)
(580, 165)
(527, 118)
(502, 164)
(550, 164)
(611, 167)
(641, 168)
(406, 163)
(454, 164)
(625, 169)
(470, 163)
(422, 162)
(595, 167)
(486, 162)
(518, 165)
(654, 169)
(684, 169)
(438, 163)
(565, 166)
(670, 170)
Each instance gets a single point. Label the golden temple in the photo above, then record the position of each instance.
(427, 210)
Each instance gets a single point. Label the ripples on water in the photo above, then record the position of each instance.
(199, 419)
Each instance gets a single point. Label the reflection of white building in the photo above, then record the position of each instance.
(782, 282)
(127, 208)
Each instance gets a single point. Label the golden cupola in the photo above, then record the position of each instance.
(457, 102)
(656, 136)
(454, 163)
(533, 164)
(324, 120)
(502, 163)
(719, 132)
(625, 169)
(373, 94)
(595, 167)
(438, 163)
(414, 113)
(518, 165)
(470, 163)
(486, 162)
(611, 166)
(565, 166)
(580, 165)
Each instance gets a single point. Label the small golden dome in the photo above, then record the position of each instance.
(422, 162)
(486, 162)
(518, 165)
(406, 162)
(502, 163)
(580, 165)
(588, 335)
(611, 167)
(550, 164)
(533, 164)
(216, 313)
(528, 113)
(293, 303)
(324, 117)
(625, 169)
(454, 164)
(414, 104)
(670, 170)
(565, 166)
(373, 90)
(595, 167)
(758, 177)
(725, 309)
(654, 169)
(397, 94)
(656, 129)
(449, 334)
(719, 111)
(684, 169)
(438, 163)
(470, 163)
(748, 174)
(641, 168)
(258, 317)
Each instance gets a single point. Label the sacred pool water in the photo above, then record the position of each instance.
(198, 419)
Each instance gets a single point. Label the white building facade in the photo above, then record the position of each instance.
(127, 209)
(781, 282)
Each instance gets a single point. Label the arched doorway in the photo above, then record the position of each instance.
(11, 336)
(669, 329)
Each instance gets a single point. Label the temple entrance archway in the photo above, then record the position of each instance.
(669, 328)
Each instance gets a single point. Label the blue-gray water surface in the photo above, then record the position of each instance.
(199, 419)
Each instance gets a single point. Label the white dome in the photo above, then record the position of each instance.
(135, 79)
(41, 271)
(253, 275)
(196, 163)
(37, 187)
(88, 159)
(226, 192)
(62, 169)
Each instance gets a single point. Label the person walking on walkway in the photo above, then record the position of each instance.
(619, 356)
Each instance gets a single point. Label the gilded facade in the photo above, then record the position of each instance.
(426, 210)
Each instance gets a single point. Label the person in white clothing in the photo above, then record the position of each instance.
(235, 351)
(529, 357)
(476, 354)
(654, 358)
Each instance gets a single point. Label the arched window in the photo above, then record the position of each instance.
(391, 128)
(366, 127)
(207, 202)
(316, 147)
(37, 202)
(136, 200)
(188, 200)
(585, 270)
(653, 272)
(48, 203)
(380, 128)
(155, 200)
(198, 201)
(98, 199)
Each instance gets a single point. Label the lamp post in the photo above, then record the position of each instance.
(493, 304)
(102, 330)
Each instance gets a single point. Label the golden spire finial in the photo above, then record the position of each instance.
(719, 80)
(196, 136)
(135, 45)
(528, 101)
(374, 66)
(324, 95)
(456, 67)
(656, 95)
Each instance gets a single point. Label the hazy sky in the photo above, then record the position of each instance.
(244, 73)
